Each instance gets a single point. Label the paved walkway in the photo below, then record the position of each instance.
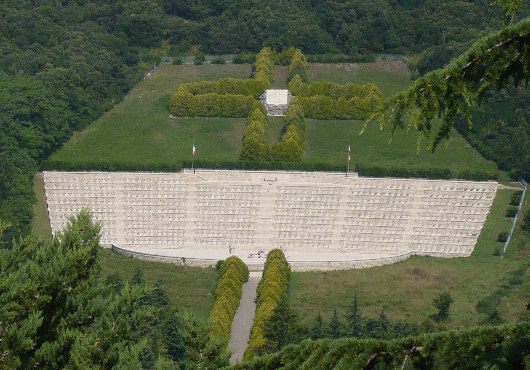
(244, 318)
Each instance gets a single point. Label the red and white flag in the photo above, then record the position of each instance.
(349, 153)
(194, 151)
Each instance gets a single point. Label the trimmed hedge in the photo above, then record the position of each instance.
(233, 274)
(254, 146)
(244, 59)
(225, 86)
(291, 147)
(297, 66)
(271, 288)
(477, 175)
(227, 97)
(340, 58)
(185, 104)
(56, 165)
(363, 170)
(328, 100)
(264, 66)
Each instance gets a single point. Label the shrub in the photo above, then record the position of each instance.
(177, 61)
(218, 60)
(526, 222)
(503, 236)
(271, 288)
(496, 251)
(233, 274)
(516, 198)
(199, 59)
(511, 212)
(244, 58)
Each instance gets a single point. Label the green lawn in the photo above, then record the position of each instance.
(406, 289)
(327, 141)
(390, 76)
(140, 129)
(188, 288)
(40, 224)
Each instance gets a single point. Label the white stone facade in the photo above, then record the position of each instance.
(317, 218)
(276, 101)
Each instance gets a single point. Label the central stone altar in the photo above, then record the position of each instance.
(276, 101)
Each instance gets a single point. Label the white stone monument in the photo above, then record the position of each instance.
(276, 101)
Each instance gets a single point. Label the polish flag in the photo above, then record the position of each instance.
(194, 151)
(349, 153)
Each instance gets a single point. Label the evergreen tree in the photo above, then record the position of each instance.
(317, 331)
(201, 350)
(354, 319)
(442, 302)
(158, 296)
(55, 310)
(282, 327)
(335, 326)
(138, 278)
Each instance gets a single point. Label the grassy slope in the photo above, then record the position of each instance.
(140, 130)
(41, 222)
(327, 141)
(406, 289)
(188, 288)
(176, 280)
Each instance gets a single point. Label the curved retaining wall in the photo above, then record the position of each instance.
(295, 265)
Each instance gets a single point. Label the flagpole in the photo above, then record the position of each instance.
(349, 157)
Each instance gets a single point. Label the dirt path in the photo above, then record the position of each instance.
(244, 318)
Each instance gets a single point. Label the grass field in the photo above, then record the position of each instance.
(140, 130)
(40, 224)
(405, 290)
(188, 288)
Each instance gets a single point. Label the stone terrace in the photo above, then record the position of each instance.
(321, 220)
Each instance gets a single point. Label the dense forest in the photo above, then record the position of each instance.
(63, 63)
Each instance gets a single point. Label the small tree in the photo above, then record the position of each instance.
(354, 319)
(335, 326)
(317, 331)
(282, 327)
(442, 303)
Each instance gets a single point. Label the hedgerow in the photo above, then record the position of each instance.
(328, 100)
(185, 104)
(254, 147)
(297, 66)
(224, 86)
(233, 274)
(505, 346)
(227, 97)
(273, 285)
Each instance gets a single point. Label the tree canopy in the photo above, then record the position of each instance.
(494, 61)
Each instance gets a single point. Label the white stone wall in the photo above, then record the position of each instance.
(317, 213)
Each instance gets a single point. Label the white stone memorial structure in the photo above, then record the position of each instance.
(322, 220)
(276, 101)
